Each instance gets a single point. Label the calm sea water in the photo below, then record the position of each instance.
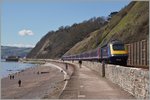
(13, 67)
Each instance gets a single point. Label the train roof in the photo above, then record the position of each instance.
(112, 42)
(115, 41)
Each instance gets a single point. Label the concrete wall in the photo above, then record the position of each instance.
(133, 80)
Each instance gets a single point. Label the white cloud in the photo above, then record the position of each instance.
(25, 32)
(20, 45)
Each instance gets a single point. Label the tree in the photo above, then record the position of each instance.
(112, 14)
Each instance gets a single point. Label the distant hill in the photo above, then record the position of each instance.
(14, 51)
(129, 25)
(55, 44)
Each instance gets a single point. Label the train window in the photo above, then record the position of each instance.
(118, 47)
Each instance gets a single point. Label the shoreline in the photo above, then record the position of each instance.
(49, 79)
(14, 70)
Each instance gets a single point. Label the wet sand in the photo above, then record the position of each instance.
(47, 84)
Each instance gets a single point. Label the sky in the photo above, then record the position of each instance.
(25, 22)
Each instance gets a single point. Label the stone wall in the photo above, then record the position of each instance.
(97, 66)
(133, 80)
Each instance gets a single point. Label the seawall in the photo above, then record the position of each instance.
(133, 80)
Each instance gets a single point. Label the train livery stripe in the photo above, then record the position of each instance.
(118, 52)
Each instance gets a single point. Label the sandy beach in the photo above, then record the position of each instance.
(47, 84)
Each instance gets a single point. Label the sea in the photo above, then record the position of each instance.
(13, 67)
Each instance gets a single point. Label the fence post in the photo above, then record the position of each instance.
(103, 68)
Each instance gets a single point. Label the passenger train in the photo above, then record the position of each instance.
(114, 53)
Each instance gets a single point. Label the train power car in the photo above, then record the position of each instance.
(114, 52)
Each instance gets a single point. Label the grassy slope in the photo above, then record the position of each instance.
(84, 45)
(132, 27)
(129, 25)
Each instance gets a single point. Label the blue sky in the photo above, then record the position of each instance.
(24, 22)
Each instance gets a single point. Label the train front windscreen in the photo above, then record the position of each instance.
(118, 47)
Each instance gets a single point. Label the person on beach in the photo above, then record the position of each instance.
(10, 77)
(19, 82)
(61, 71)
(13, 77)
(66, 66)
(80, 63)
(38, 72)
